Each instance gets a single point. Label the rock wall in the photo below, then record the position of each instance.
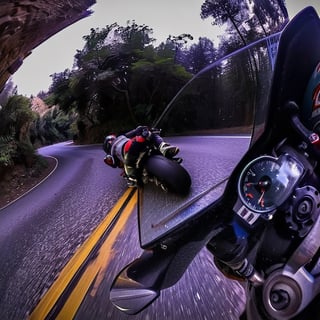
(25, 24)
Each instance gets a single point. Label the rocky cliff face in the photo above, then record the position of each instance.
(38, 106)
(24, 24)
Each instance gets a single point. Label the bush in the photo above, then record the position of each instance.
(8, 151)
(26, 154)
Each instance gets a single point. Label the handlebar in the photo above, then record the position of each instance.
(310, 138)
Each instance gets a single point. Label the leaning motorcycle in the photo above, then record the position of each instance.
(256, 207)
(166, 173)
(163, 172)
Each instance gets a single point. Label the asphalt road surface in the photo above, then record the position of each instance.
(43, 230)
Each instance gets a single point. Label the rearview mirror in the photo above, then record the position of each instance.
(131, 296)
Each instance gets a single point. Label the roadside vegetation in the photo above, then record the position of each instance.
(121, 79)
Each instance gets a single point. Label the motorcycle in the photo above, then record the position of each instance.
(262, 227)
(166, 173)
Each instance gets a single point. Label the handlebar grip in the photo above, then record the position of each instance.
(309, 137)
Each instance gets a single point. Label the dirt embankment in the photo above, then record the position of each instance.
(20, 180)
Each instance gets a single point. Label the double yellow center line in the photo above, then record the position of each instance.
(93, 272)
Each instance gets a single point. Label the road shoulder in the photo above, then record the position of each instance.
(20, 181)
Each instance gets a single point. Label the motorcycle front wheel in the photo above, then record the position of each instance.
(174, 177)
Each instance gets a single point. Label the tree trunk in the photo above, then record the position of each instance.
(126, 93)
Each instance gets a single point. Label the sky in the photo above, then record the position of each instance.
(165, 17)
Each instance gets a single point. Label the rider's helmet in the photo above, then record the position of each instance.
(311, 102)
(107, 147)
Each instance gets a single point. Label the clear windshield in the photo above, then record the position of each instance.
(213, 120)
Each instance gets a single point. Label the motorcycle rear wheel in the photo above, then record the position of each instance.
(174, 177)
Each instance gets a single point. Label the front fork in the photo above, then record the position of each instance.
(285, 292)
(229, 249)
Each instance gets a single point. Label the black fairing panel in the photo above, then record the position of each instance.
(298, 55)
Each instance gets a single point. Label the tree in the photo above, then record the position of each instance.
(271, 15)
(176, 44)
(17, 115)
(59, 91)
(16, 118)
(200, 55)
(250, 19)
(283, 8)
(134, 37)
(223, 11)
(153, 83)
(121, 80)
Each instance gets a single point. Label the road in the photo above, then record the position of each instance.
(43, 230)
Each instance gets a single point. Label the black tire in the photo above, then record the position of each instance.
(170, 173)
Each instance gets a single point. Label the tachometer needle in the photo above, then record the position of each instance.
(261, 200)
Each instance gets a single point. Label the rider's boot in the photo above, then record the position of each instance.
(131, 173)
(168, 150)
(132, 183)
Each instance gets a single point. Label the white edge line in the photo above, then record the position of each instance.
(52, 171)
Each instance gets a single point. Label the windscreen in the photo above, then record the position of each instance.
(212, 120)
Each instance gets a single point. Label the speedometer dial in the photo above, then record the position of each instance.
(266, 182)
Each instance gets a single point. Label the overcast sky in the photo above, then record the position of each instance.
(165, 17)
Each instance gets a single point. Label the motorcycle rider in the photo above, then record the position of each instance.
(125, 151)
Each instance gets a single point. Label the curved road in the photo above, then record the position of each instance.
(41, 232)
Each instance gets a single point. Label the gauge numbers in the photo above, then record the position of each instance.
(265, 182)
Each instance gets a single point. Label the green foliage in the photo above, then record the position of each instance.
(8, 151)
(53, 126)
(16, 118)
(15, 114)
(249, 20)
(120, 79)
(153, 84)
(200, 55)
(222, 97)
(59, 91)
(26, 153)
(107, 87)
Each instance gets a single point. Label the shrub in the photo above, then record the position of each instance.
(8, 151)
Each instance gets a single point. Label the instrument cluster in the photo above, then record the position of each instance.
(265, 184)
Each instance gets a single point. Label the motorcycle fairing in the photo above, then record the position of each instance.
(297, 57)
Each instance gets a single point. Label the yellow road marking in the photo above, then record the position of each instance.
(97, 268)
(68, 272)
